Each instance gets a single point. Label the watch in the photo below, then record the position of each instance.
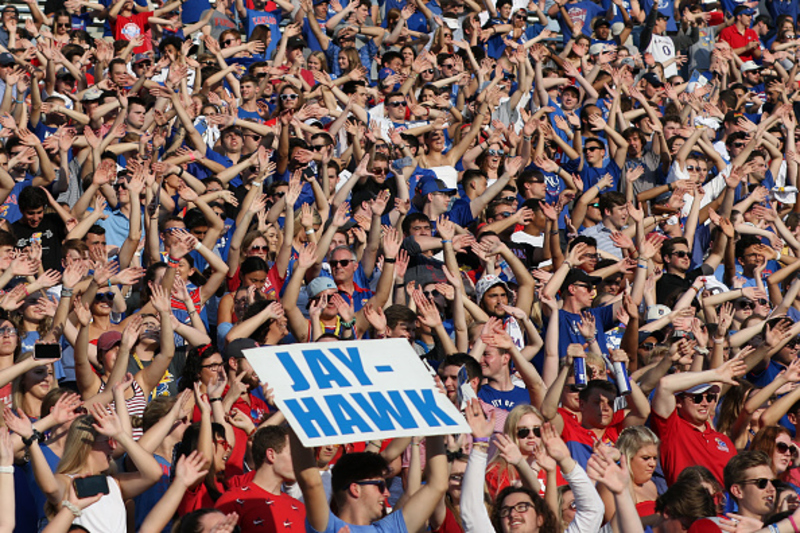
(35, 436)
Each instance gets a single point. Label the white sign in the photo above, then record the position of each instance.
(353, 391)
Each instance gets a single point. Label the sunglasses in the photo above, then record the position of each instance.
(398, 103)
(524, 432)
(494, 152)
(508, 199)
(212, 366)
(697, 399)
(224, 443)
(584, 285)
(520, 16)
(318, 147)
(680, 254)
(429, 71)
(648, 345)
(259, 248)
(280, 194)
(761, 482)
(380, 171)
(503, 214)
(738, 145)
(144, 63)
(289, 96)
(344, 263)
(228, 42)
(573, 388)
(106, 297)
(208, 63)
(591, 149)
(63, 24)
(596, 204)
(782, 447)
(431, 294)
(695, 167)
(447, 65)
(747, 304)
(380, 483)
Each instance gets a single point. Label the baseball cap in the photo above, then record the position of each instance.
(64, 74)
(576, 275)
(704, 387)
(108, 340)
(652, 79)
(7, 59)
(427, 185)
(296, 42)
(138, 58)
(743, 10)
(487, 282)
(596, 48)
(601, 22)
(93, 93)
(235, 348)
(661, 15)
(747, 66)
(319, 284)
(657, 311)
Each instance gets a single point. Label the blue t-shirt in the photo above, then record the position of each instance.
(393, 523)
(783, 7)
(568, 332)
(10, 210)
(583, 11)
(272, 19)
(505, 400)
(591, 175)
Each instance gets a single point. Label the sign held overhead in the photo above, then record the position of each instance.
(352, 391)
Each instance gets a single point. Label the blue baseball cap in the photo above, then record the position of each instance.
(427, 185)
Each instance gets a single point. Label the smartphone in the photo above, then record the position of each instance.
(46, 351)
(86, 487)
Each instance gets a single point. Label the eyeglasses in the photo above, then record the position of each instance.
(591, 149)
(494, 152)
(697, 399)
(524, 432)
(212, 366)
(521, 507)
(318, 147)
(745, 304)
(8, 330)
(761, 483)
(344, 263)
(380, 483)
(106, 297)
(782, 447)
(259, 248)
(398, 103)
(680, 253)
(289, 96)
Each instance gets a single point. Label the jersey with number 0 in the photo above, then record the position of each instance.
(663, 49)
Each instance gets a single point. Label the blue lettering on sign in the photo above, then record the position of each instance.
(425, 403)
(385, 412)
(324, 371)
(310, 414)
(353, 363)
(345, 415)
(300, 382)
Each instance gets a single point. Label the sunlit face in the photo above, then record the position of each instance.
(343, 266)
(517, 521)
(258, 248)
(781, 461)
(644, 463)
(493, 362)
(255, 279)
(750, 498)
(403, 330)
(532, 423)
(594, 152)
(494, 299)
(211, 367)
(457, 469)
(696, 413)
(314, 64)
(222, 452)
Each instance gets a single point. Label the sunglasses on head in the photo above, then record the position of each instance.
(782, 447)
(524, 432)
(106, 297)
(289, 96)
(697, 399)
(380, 483)
(344, 263)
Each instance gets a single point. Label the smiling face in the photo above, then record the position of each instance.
(696, 413)
(752, 500)
(493, 362)
(783, 460)
(39, 381)
(519, 521)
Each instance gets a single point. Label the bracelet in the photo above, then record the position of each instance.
(310, 231)
(389, 260)
(445, 241)
(642, 266)
(773, 528)
(72, 508)
(172, 262)
(377, 444)
(66, 293)
(694, 288)
(180, 174)
(480, 439)
(567, 263)
(416, 444)
(212, 400)
(25, 288)
(527, 137)
(198, 245)
(19, 101)
(553, 232)
(794, 526)
(348, 325)
(7, 469)
(718, 341)
(35, 436)
(109, 283)
(192, 155)
(257, 183)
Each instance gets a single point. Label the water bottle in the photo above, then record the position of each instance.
(623, 381)
(580, 373)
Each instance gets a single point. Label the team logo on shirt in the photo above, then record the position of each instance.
(130, 31)
(721, 444)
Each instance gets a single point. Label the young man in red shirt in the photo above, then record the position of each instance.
(261, 505)
(741, 37)
(128, 25)
(682, 406)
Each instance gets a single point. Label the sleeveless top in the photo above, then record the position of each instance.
(108, 515)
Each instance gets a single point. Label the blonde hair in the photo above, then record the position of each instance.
(80, 440)
(17, 390)
(633, 439)
(510, 431)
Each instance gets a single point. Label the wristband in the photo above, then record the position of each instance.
(7, 469)
(72, 508)
(66, 293)
(310, 231)
(718, 341)
(257, 183)
(527, 137)
(109, 283)
(642, 266)
(171, 261)
(35, 436)
(389, 260)
(212, 400)
(348, 325)
(553, 232)
(198, 245)
(192, 155)
(445, 241)
(180, 174)
(480, 439)
(25, 288)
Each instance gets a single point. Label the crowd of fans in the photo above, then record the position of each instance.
(581, 216)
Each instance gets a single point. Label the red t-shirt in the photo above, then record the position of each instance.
(682, 446)
(198, 497)
(261, 511)
(450, 524)
(732, 36)
(127, 28)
